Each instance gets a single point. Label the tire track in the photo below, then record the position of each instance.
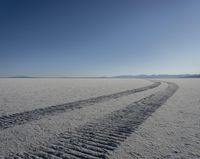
(8, 121)
(95, 140)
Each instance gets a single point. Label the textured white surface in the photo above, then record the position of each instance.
(173, 131)
(20, 137)
(17, 95)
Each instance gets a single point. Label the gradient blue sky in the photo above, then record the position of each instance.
(99, 37)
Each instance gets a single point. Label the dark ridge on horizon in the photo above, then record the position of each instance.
(160, 76)
(120, 76)
(53, 77)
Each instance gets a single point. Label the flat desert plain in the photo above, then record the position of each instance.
(99, 118)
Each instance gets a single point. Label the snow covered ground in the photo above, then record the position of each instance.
(172, 131)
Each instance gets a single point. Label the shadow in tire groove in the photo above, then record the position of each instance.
(95, 140)
(36, 114)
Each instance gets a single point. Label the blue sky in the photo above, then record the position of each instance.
(99, 37)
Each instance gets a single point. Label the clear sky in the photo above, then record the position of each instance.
(99, 37)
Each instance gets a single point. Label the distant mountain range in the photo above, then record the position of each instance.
(126, 76)
(160, 76)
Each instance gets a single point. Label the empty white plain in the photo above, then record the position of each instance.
(18, 95)
(173, 131)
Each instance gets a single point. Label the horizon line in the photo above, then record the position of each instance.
(114, 76)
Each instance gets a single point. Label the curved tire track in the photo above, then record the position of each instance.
(8, 121)
(95, 140)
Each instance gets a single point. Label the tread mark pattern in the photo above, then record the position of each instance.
(95, 140)
(12, 120)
